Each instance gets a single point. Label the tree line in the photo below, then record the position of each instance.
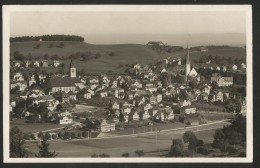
(47, 38)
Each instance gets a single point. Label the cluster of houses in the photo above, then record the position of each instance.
(137, 97)
(43, 63)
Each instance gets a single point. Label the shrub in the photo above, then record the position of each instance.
(72, 135)
(203, 150)
(40, 135)
(139, 153)
(26, 136)
(60, 135)
(66, 135)
(47, 135)
(54, 136)
(84, 134)
(104, 155)
(79, 135)
(32, 136)
(94, 155)
(111, 54)
(126, 154)
(231, 150)
(177, 148)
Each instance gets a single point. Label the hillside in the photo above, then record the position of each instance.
(123, 54)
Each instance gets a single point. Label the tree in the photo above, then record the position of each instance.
(46, 56)
(190, 137)
(235, 133)
(43, 110)
(126, 154)
(192, 84)
(214, 85)
(111, 54)
(32, 136)
(121, 117)
(40, 135)
(177, 148)
(17, 149)
(66, 135)
(79, 135)
(54, 136)
(139, 153)
(59, 107)
(44, 150)
(72, 135)
(60, 135)
(47, 136)
(84, 134)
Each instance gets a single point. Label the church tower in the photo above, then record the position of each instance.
(187, 71)
(72, 70)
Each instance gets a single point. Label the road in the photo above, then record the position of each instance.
(115, 146)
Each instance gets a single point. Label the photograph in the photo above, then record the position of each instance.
(127, 83)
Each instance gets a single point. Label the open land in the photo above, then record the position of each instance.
(115, 146)
(124, 54)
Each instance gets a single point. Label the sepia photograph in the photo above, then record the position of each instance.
(127, 83)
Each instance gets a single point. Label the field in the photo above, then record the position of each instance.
(116, 146)
(33, 127)
(123, 54)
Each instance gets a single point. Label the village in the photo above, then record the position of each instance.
(171, 90)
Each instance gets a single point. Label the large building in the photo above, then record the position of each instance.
(66, 84)
(222, 81)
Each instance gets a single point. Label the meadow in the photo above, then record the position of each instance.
(124, 54)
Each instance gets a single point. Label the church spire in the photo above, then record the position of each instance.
(188, 55)
(187, 68)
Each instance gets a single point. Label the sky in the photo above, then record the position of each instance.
(116, 24)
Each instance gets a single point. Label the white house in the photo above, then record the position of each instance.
(137, 66)
(87, 95)
(56, 63)
(36, 64)
(115, 105)
(18, 77)
(234, 67)
(243, 65)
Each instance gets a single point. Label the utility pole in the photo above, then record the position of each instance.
(156, 137)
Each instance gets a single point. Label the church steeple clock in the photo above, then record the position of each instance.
(72, 70)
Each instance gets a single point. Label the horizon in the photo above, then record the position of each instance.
(196, 39)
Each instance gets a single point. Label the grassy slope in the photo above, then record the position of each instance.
(124, 54)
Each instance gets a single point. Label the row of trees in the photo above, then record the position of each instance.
(234, 134)
(195, 145)
(47, 38)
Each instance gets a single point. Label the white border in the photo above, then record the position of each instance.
(7, 9)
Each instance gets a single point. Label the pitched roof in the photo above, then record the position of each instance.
(58, 81)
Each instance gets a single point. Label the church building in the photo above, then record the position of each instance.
(65, 83)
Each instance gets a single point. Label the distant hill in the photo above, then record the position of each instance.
(122, 54)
